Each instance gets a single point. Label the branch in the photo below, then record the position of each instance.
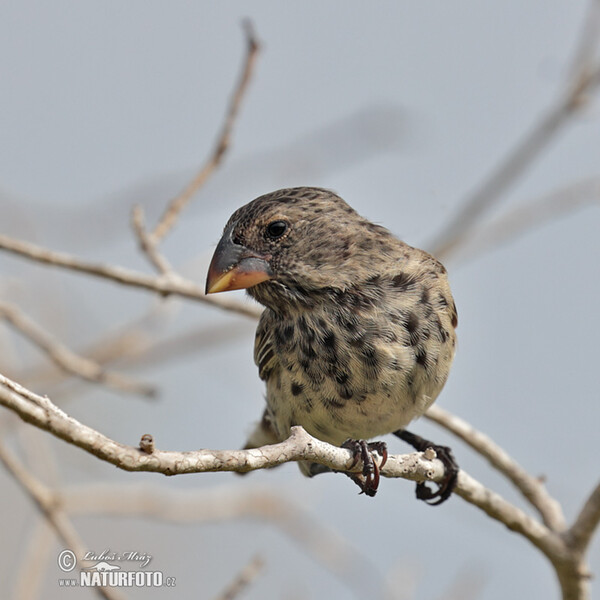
(420, 466)
(161, 284)
(581, 532)
(148, 243)
(514, 518)
(176, 205)
(533, 489)
(66, 359)
(299, 446)
(42, 413)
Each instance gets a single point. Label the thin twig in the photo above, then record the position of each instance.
(533, 489)
(177, 286)
(242, 580)
(66, 359)
(581, 532)
(178, 203)
(148, 243)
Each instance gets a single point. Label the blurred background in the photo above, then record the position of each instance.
(402, 108)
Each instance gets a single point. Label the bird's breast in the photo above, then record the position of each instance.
(344, 372)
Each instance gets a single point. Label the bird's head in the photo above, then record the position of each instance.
(294, 242)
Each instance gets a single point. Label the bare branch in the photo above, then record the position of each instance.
(148, 243)
(66, 359)
(161, 284)
(41, 412)
(176, 205)
(49, 507)
(585, 78)
(532, 488)
(581, 532)
(514, 518)
(243, 579)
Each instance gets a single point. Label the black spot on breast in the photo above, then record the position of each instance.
(421, 356)
(296, 388)
(403, 281)
(329, 339)
(443, 334)
(305, 330)
(374, 280)
(345, 393)
(425, 295)
(412, 322)
(307, 350)
(333, 403)
(366, 244)
(412, 326)
(342, 377)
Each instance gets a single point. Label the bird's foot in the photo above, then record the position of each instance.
(368, 480)
(444, 453)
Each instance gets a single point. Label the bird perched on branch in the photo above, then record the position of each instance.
(357, 336)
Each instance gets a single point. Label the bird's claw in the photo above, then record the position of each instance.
(368, 480)
(451, 469)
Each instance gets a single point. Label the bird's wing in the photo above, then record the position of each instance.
(264, 352)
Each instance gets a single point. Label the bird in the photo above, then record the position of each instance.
(357, 335)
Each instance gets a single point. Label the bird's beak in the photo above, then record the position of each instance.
(235, 267)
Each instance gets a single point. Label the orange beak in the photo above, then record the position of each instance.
(235, 267)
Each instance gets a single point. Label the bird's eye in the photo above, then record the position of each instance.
(276, 229)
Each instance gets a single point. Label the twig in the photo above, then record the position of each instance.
(66, 359)
(176, 205)
(161, 284)
(584, 79)
(148, 243)
(581, 532)
(242, 580)
(46, 502)
(533, 489)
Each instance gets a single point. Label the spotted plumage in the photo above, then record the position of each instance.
(358, 332)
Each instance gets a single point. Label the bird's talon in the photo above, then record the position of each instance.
(369, 482)
(444, 453)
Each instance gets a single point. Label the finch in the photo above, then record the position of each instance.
(358, 332)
